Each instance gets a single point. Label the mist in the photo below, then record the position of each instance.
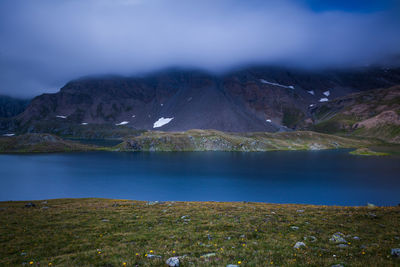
(46, 43)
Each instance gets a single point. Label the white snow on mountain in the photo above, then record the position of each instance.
(61, 116)
(161, 122)
(324, 99)
(327, 93)
(311, 92)
(277, 84)
(122, 123)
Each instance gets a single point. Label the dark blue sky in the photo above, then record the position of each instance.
(46, 43)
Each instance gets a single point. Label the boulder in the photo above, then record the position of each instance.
(299, 245)
(173, 261)
(338, 237)
(395, 252)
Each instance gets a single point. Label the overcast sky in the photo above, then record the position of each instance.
(46, 43)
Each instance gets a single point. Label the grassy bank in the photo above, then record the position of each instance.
(102, 232)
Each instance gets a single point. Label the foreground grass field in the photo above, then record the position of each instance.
(103, 232)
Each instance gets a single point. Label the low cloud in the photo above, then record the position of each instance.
(45, 43)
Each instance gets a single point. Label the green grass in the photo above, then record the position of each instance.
(367, 152)
(72, 232)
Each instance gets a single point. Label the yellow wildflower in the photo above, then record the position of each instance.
(239, 262)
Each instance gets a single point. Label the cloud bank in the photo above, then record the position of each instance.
(45, 43)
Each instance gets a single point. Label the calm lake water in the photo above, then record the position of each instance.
(321, 177)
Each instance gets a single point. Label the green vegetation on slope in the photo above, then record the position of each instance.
(367, 152)
(205, 140)
(29, 143)
(100, 232)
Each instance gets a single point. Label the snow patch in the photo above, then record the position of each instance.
(277, 84)
(161, 104)
(268, 120)
(8, 134)
(324, 99)
(133, 116)
(84, 123)
(311, 92)
(61, 116)
(327, 93)
(311, 105)
(162, 121)
(122, 123)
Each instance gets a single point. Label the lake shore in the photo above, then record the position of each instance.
(107, 232)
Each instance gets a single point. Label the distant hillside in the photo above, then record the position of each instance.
(10, 107)
(374, 113)
(248, 100)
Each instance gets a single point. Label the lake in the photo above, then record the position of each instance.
(331, 177)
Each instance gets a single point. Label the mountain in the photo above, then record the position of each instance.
(247, 100)
(10, 107)
(373, 113)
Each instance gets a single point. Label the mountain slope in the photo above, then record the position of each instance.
(374, 113)
(253, 99)
(10, 106)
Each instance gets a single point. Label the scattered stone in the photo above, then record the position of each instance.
(356, 238)
(23, 253)
(300, 211)
(342, 246)
(150, 203)
(152, 256)
(397, 237)
(208, 255)
(232, 265)
(105, 220)
(243, 236)
(395, 252)
(338, 238)
(372, 215)
(44, 202)
(45, 207)
(30, 205)
(310, 238)
(299, 245)
(115, 205)
(228, 238)
(209, 237)
(337, 265)
(363, 246)
(185, 217)
(173, 261)
(370, 205)
(294, 227)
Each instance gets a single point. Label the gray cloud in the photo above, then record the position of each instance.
(45, 43)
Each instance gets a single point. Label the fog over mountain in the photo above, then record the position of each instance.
(45, 43)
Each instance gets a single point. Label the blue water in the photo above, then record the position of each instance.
(322, 177)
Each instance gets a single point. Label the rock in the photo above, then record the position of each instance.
(342, 246)
(105, 220)
(311, 238)
(44, 202)
(173, 261)
(209, 237)
(185, 217)
(337, 265)
(115, 205)
(356, 238)
(370, 205)
(45, 207)
(232, 265)
(395, 252)
(150, 203)
(372, 215)
(300, 211)
(208, 255)
(299, 245)
(30, 205)
(294, 227)
(152, 256)
(338, 238)
(23, 253)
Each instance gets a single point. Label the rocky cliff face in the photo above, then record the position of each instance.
(254, 99)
